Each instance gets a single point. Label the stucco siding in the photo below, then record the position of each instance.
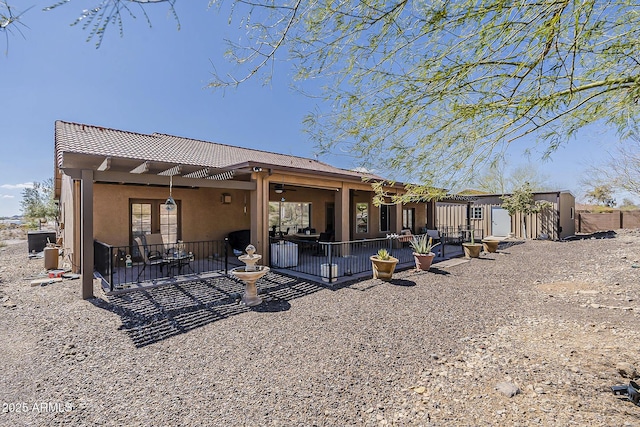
(204, 216)
(67, 223)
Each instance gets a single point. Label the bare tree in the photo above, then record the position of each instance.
(499, 178)
(620, 168)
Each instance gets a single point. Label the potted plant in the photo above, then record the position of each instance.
(383, 264)
(422, 251)
(490, 246)
(472, 249)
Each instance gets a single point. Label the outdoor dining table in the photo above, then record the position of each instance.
(304, 236)
(177, 260)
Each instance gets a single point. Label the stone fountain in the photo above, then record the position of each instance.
(249, 274)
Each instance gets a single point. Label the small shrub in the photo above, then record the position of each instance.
(422, 244)
(383, 254)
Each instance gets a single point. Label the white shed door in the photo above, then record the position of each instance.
(500, 222)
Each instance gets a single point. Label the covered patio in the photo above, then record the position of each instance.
(115, 186)
(327, 263)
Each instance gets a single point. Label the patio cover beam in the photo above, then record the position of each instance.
(222, 176)
(143, 168)
(106, 165)
(181, 181)
(172, 171)
(202, 173)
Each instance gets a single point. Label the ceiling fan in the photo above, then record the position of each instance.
(279, 189)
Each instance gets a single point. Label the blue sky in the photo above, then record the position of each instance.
(154, 80)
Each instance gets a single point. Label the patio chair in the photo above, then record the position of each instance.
(150, 257)
(435, 236)
(157, 242)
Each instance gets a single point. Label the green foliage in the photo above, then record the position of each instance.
(602, 195)
(97, 20)
(422, 244)
(435, 90)
(522, 200)
(601, 209)
(628, 205)
(38, 203)
(383, 254)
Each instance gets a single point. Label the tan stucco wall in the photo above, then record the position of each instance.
(204, 216)
(67, 222)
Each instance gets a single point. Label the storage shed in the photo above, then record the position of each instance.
(485, 213)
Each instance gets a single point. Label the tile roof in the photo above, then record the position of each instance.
(157, 147)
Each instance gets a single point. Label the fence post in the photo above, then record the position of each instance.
(330, 259)
(112, 257)
(226, 255)
(621, 220)
(579, 222)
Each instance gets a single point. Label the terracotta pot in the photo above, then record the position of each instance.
(490, 245)
(383, 269)
(472, 250)
(423, 261)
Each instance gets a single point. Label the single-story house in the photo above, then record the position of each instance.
(112, 186)
(484, 212)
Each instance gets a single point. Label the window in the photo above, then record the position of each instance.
(476, 212)
(408, 218)
(290, 216)
(572, 212)
(384, 218)
(362, 217)
(151, 216)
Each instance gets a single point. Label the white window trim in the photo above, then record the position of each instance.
(474, 210)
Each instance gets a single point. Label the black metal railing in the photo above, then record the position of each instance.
(331, 260)
(457, 235)
(124, 265)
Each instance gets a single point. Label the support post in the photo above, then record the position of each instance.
(260, 214)
(86, 233)
(398, 223)
(342, 213)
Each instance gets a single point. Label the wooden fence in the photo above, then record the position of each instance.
(587, 222)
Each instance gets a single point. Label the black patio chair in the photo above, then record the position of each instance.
(149, 257)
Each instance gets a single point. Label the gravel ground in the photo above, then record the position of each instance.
(553, 323)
